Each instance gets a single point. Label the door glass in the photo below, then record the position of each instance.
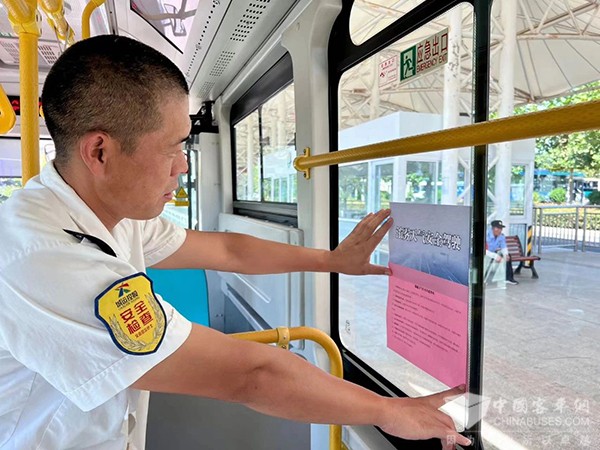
(421, 182)
(368, 18)
(541, 356)
(384, 184)
(517, 190)
(419, 84)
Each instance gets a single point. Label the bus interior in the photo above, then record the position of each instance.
(274, 80)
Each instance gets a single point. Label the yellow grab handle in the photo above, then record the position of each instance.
(8, 118)
(87, 15)
(282, 335)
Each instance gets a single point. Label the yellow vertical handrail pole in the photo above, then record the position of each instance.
(55, 12)
(8, 118)
(23, 17)
(87, 15)
(280, 335)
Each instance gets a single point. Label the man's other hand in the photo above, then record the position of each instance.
(420, 418)
(353, 255)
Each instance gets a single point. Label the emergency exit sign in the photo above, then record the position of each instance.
(425, 56)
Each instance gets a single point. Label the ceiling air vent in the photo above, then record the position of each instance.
(248, 20)
(9, 51)
(205, 89)
(50, 52)
(221, 63)
(202, 34)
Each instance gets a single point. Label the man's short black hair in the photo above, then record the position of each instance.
(107, 83)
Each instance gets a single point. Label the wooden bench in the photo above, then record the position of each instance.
(515, 249)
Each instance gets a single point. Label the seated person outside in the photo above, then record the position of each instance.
(497, 249)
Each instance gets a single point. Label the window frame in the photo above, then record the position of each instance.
(343, 54)
(271, 83)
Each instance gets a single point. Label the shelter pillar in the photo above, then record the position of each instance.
(375, 95)
(507, 104)
(451, 112)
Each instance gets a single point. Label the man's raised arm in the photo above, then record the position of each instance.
(233, 252)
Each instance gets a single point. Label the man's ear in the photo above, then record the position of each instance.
(95, 150)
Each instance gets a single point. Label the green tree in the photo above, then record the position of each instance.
(569, 152)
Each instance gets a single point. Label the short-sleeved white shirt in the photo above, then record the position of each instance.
(63, 381)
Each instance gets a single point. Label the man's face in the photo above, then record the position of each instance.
(497, 231)
(142, 183)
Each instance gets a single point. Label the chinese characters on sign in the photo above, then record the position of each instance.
(451, 241)
(428, 294)
(388, 71)
(424, 56)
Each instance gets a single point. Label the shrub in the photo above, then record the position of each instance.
(558, 195)
(594, 198)
(537, 197)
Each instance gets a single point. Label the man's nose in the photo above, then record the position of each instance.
(182, 165)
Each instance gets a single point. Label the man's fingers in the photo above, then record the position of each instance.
(376, 219)
(441, 398)
(382, 231)
(378, 270)
(452, 435)
(449, 435)
(361, 230)
(453, 393)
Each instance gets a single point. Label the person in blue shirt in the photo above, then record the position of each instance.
(496, 243)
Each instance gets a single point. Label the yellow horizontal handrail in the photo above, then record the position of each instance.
(87, 15)
(567, 119)
(8, 118)
(282, 336)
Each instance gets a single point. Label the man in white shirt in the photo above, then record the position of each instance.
(81, 330)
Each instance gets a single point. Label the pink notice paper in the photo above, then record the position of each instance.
(427, 323)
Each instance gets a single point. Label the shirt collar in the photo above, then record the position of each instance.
(80, 212)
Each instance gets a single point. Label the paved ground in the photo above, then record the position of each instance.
(542, 359)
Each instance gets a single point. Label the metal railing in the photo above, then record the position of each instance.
(566, 119)
(282, 337)
(568, 226)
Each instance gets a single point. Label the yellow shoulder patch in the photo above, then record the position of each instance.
(132, 314)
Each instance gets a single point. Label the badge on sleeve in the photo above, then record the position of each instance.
(133, 316)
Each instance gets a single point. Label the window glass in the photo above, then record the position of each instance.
(265, 148)
(8, 186)
(173, 20)
(248, 161)
(278, 138)
(368, 18)
(421, 182)
(541, 358)
(414, 86)
(10, 163)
